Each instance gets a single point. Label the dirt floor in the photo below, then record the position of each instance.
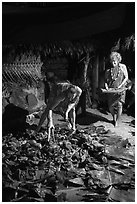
(89, 165)
(125, 129)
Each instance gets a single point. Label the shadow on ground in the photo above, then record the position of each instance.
(132, 133)
(90, 118)
(132, 123)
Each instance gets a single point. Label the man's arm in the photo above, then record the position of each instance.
(106, 86)
(124, 69)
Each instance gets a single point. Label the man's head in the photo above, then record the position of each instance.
(115, 58)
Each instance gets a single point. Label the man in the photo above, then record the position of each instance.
(116, 78)
(64, 94)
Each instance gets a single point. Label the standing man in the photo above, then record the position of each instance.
(116, 77)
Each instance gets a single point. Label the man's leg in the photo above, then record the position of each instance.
(119, 110)
(114, 115)
(50, 125)
(52, 103)
(115, 120)
(42, 119)
(73, 118)
(67, 113)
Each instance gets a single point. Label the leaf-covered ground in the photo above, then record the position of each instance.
(91, 165)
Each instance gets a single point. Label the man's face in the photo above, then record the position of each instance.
(114, 62)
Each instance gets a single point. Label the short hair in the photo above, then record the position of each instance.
(115, 55)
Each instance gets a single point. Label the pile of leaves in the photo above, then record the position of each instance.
(90, 165)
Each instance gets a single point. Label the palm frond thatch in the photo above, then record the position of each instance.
(31, 53)
(123, 44)
(129, 43)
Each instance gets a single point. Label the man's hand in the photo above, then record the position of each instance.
(106, 86)
(30, 119)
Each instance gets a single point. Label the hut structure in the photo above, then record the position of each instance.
(75, 47)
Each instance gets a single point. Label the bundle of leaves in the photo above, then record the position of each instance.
(90, 162)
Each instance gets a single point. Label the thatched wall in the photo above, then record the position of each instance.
(22, 86)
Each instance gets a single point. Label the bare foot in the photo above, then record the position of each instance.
(115, 123)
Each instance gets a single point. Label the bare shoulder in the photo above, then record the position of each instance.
(66, 87)
(124, 69)
(122, 66)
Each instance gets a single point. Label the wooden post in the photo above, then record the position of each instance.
(101, 76)
(95, 75)
(83, 85)
(86, 63)
(85, 77)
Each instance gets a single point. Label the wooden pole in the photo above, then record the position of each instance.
(95, 77)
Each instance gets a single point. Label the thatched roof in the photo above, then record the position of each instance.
(30, 53)
(123, 44)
